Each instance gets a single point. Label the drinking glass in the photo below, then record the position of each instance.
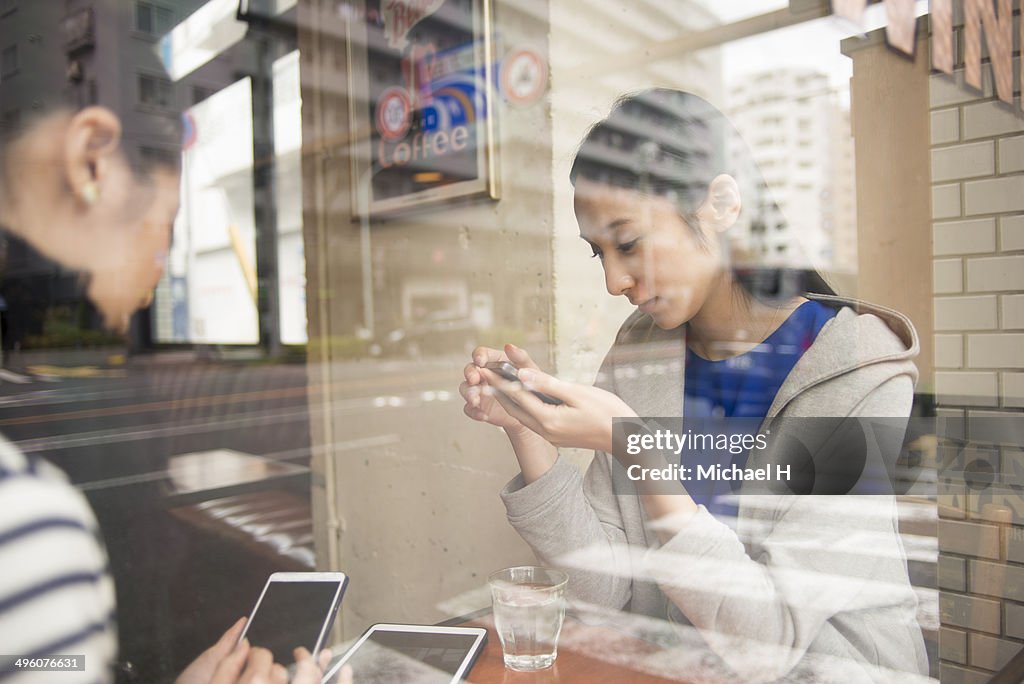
(529, 607)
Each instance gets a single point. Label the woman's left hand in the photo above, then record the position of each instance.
(583, 420)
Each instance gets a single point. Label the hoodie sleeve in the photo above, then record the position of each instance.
(815, 556)
(562, 512)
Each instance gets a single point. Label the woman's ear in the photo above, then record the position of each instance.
(722, 207)
(93, 137)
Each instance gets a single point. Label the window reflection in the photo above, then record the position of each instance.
(318, 302)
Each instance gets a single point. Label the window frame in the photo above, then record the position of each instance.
(140, 102)
(154, 7)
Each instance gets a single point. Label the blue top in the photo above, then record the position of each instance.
(744, 387)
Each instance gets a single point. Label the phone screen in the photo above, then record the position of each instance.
(291, 614)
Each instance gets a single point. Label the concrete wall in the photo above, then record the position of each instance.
(406, 493)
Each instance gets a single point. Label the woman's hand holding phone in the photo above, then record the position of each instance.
(583, 419)
(479, 395)
(535, 455)
(230, 661)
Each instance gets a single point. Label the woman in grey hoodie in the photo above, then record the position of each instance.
(788, 584)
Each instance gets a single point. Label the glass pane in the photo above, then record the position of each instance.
(243, 300)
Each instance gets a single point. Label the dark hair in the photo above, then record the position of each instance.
(672, 144)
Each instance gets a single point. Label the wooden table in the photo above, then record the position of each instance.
(587, 654)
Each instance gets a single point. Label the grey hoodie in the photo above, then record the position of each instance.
(801, 578)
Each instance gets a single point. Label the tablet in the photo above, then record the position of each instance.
(411, 654)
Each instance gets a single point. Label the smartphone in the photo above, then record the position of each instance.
(509, 371)
(295, 609)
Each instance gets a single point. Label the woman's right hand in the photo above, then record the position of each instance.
(534, 453)
(481, 403)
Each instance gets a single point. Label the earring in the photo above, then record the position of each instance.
(90, 193)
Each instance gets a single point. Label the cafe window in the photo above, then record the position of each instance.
(409, 194)
(153, 19)
(155, 91)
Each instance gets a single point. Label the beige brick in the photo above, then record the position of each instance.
(954, 674)
(963, 161)
(969, 539)
(994, 195)
(995, 427)
(1011, 232)
(947, 276)
(1000, 350)
(991, 653)
(990, 274)
(1011, 154)
(996, 579)
(1013, 537)
(951, 500)
(949, 351)
(1013, 389)
(945, 126)
(966, 313)
(993, 118)
(1012, 467)
(1013, 620)
(951, 674)
(957, 610)
(966, 389)
(945, 90)
(964, 237)
(945, 201)
(952, 573)
(951, 423)
(996, 503)
(950, 459)
(953, 645)
(1012, 312)
(981, 468)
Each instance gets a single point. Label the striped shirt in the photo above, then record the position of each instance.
(56, 592)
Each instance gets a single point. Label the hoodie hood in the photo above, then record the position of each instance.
(875, 339)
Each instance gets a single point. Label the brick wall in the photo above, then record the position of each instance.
(977, 147)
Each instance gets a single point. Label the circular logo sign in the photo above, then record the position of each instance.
(524, 75)
(393, 109)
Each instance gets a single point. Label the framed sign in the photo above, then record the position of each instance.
(422, 114)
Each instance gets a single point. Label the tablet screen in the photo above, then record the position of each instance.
(388, 657)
